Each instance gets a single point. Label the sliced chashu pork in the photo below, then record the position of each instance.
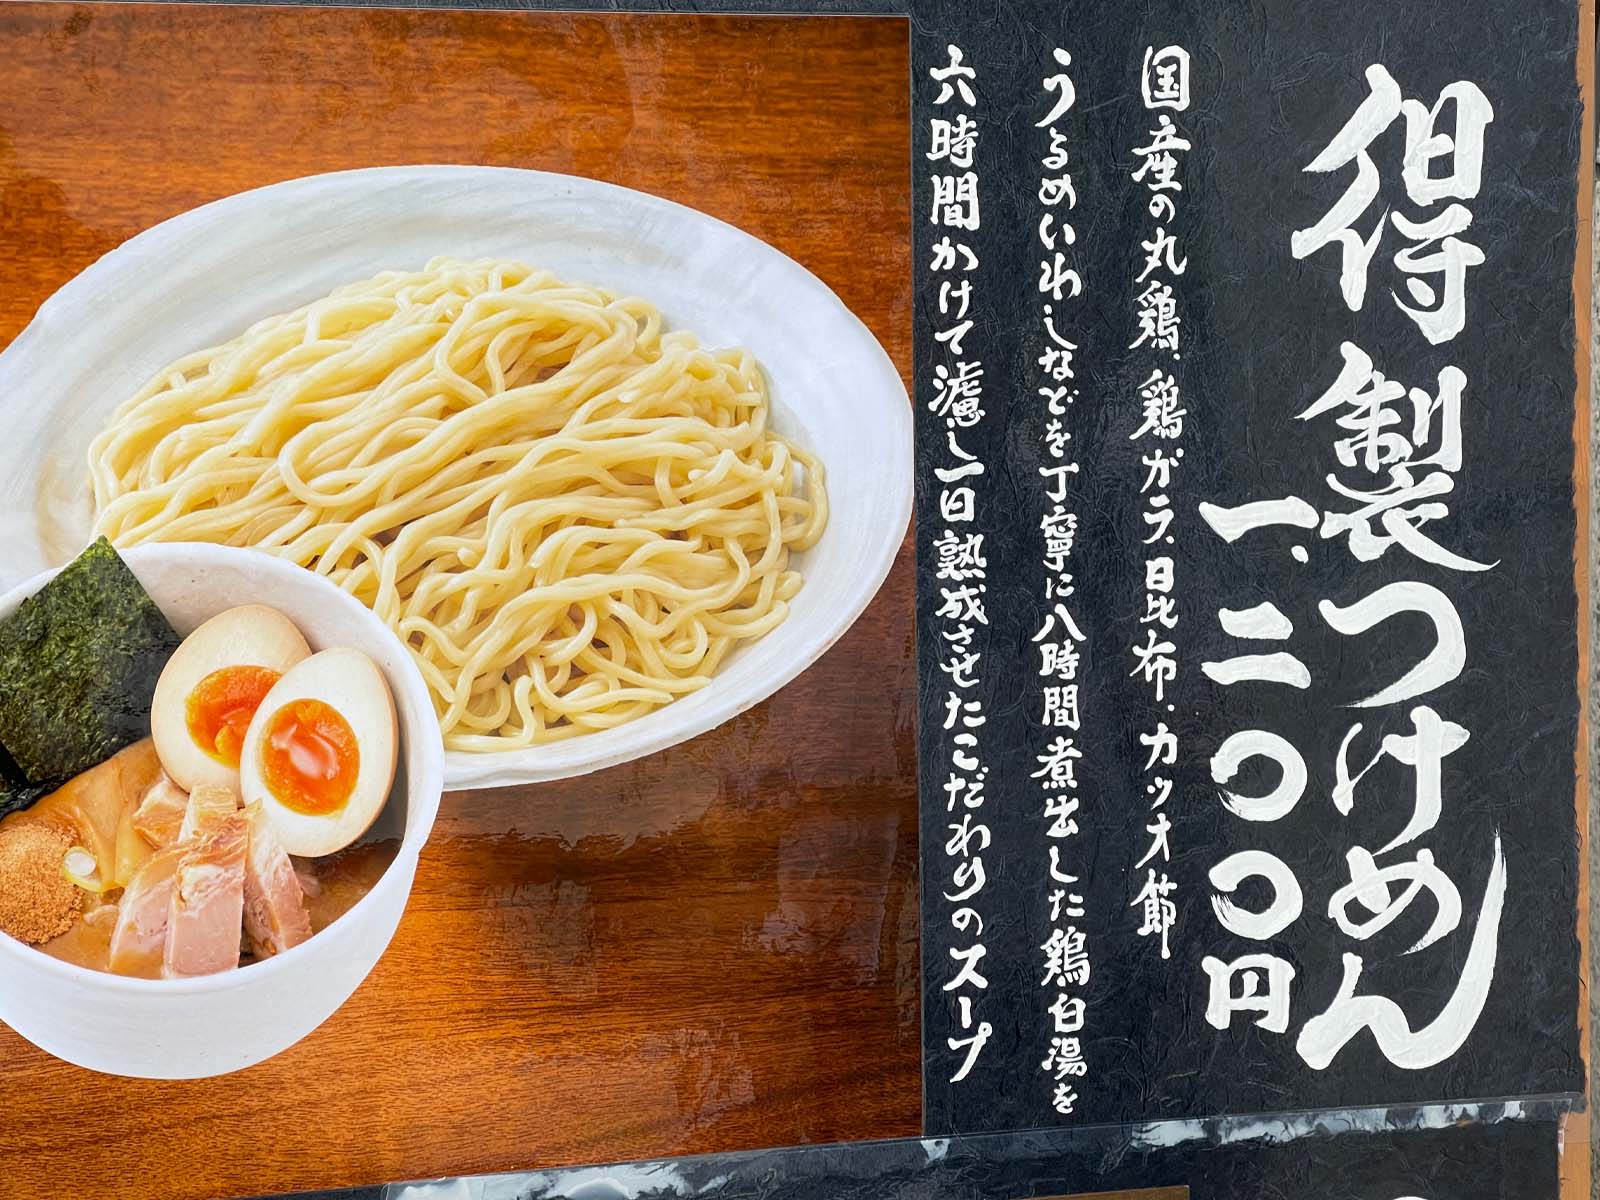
(208, 807)
(159, 816)
(144, 914)
(208, 902)
(139, 940)
(275, 914)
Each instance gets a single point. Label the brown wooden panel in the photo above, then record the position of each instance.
(713, 948)
(1577, 1180)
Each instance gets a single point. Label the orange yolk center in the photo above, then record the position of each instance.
(221, 705)
(309, 757)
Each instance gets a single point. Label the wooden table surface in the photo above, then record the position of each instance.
(709, 949)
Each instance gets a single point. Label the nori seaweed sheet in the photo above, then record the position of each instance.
(79, 661)
(17, 796)
(15, 790)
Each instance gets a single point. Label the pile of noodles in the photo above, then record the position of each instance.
(567, 515)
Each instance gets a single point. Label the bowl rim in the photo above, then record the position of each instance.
(427, 794)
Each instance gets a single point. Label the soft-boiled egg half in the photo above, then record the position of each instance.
(210, 687)
(320, 752)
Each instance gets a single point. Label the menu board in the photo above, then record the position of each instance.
(1246, 609)
(886, 598)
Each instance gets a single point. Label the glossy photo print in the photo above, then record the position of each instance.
(796, 599)
(509, 406)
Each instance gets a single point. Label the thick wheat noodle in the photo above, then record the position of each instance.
(569, 516)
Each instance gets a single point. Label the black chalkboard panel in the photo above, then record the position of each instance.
(1247, 623)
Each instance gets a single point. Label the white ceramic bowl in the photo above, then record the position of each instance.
(188, 1028)
(158, 297)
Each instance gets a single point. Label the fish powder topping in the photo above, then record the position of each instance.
(37, 902)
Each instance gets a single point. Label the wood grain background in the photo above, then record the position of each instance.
(710, 949)
(1577, 1157)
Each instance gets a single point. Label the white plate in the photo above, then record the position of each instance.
(204, 276)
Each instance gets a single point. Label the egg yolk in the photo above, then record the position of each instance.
(221, 705)
(309, 757)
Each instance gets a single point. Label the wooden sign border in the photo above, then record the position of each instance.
(1576, 1155)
